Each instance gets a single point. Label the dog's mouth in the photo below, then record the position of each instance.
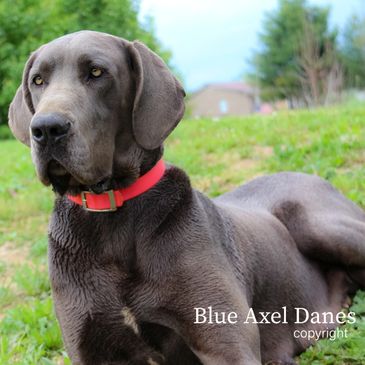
(55, 169)
(63, 180)
(58, 176)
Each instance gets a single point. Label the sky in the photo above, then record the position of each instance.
(213, 40)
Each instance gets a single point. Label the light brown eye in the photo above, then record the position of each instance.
(38, 80)
(96, 72)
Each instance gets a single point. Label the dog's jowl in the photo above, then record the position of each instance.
(135, 252)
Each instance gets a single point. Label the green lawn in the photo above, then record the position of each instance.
(218, 155)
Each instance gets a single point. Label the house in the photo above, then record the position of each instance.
(216, 100)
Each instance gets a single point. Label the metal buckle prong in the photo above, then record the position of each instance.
(113, 204)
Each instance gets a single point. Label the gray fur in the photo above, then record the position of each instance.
(125, 284)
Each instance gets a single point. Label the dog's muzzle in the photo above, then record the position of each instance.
(49, 128)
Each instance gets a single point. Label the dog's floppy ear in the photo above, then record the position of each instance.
(159, 97)
(21, 109)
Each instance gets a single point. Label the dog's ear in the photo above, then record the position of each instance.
(21, 109)
(159, 97)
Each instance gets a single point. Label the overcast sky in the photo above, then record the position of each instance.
(211, 40)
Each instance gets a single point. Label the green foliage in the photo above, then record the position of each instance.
(338, 352)
(39, 249)
(327, 142)
(27, 24)
(277, 62)
(30, 330)
(217, 155)
(31, 281)
(5, 132)
(6, 296)
(353, 52)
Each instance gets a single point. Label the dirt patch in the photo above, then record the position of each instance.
(263, 151)
(12, 255)
(238, 168)
(354, 160)
(235, 161)
(205, 184)
(245, 164)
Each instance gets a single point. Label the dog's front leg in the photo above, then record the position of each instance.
(113, 339)
(225, 344)
(214, 322)
(221, 336)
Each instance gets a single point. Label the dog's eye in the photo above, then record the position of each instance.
(96, 72)
(38, 80)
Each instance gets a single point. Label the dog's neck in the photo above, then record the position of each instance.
(123, 175)
(113, 199)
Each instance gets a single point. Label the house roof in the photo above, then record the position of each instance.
(231, 86)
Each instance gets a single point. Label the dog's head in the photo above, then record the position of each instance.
(95, 110)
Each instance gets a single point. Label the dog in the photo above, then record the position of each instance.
(137, 257)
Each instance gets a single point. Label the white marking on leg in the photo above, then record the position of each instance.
(151, 362)
(129, 319)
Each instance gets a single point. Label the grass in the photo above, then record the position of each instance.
(217, 155)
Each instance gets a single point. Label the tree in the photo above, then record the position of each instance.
(353, 52)
(319, 70)
(279, 63)
(26, 24)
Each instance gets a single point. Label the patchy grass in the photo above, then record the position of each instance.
(217, 156)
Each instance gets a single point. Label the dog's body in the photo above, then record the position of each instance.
(232, 254)
(126, 284)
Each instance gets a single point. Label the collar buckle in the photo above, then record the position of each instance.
(113, 205)
(111, 200)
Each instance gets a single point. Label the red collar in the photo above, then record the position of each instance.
(112, 199)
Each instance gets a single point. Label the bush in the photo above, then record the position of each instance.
(5, 132)
(27, 24)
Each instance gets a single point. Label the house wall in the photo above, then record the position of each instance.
(217, 102)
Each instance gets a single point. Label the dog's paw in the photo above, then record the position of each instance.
(281, 362)
(150, 359)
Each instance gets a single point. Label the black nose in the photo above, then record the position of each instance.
(50, 127)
